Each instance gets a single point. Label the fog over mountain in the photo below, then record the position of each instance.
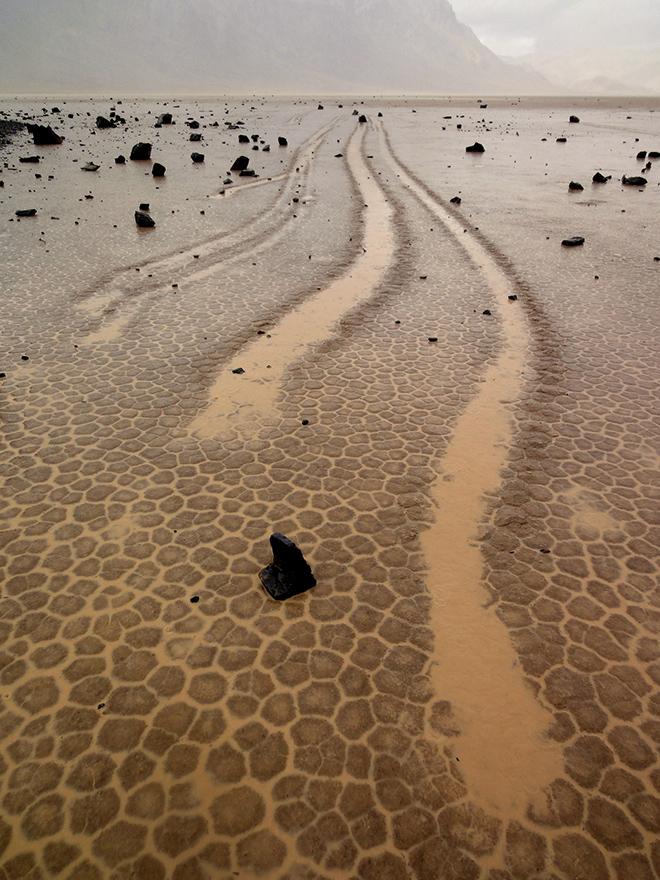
(239, 46)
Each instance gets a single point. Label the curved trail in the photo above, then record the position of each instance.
(210, 250)
(241, 401)
(503, 750)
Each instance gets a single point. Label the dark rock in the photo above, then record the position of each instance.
(561, 140)
(43, 135)
(456, 200)
(27, 212)
(90, 166)
(633, 181)
(32, 159)
(193, 123)
(266, 148)
(243, 139)
(513, 297)
(144, 206)
(120, 160)
(486, 312)
(575, 187)
(320, 107)
(380, 115)
(574, 241)
(641, 154)
(197, 157)
(654, 154)
(102, 122)
(255, 138)
(165, 119)
(247, 172)
(288, 574)
(573, 119)
(240, 164)
(158, 170)
(195, 136)
(362, 119)
(476, 148)
(141, 152)
(433, 338)
(283, 142)
(144, 220)
(238, 371)
(600, 178)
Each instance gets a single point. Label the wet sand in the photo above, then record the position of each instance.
(471, 689)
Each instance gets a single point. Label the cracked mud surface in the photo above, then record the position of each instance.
(161, 718)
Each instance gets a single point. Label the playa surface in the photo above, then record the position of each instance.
(454, 416)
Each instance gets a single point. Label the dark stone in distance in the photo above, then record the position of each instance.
(141, 152)
(43, 135)
(144, 220)
(362, 119)
(120, 160)
(33, 159)
(27, 212)
(574, 119)
(197, 157)
(600, 178)
(288, 574)
(476, 148)
(575, 187)
(574, 241)
(456, 200)
(195, 136)
(633, 181)
(102, 122)
(283, 142)
(144, 206)
(158, 170)
(165, 119)
(240, 164)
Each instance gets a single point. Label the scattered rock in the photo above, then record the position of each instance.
(362, 119)
(288, 574)
(120, 160)
(197, 157)
(486, 312)
(476, 148)
(283, 142)
(102, 122)
(575, 187)
(574, 241)
(158, 170)
(144, 206)
(43, 135)
(633, 181)
(653, 154)
(240, 164)
(641, 155)
(513, 297)
(243, 139)
(238, 371)
(27, 212)
(165, 119)
(31, 159)
(90, 166)
(141, 152)
(143, 220)
(195, 136)
(600, 178)
(433, 338)
(573, 119)
(561, 140)
(456, 200)
(247, 172)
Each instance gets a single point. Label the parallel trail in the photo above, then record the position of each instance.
(503, 749)
(244, 401)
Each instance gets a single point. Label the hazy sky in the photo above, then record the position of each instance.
(515, 27)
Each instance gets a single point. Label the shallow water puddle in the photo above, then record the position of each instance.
(240, 401)
(502, 747)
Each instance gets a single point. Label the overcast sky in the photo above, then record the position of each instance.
(516, 27)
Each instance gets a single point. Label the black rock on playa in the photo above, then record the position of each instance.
(573, 241)
(144, 221)
(476, 148)
(288, 574)
(141, 152)
(44, 136)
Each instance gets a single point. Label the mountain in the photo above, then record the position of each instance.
(243, 46)
(622, 70)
